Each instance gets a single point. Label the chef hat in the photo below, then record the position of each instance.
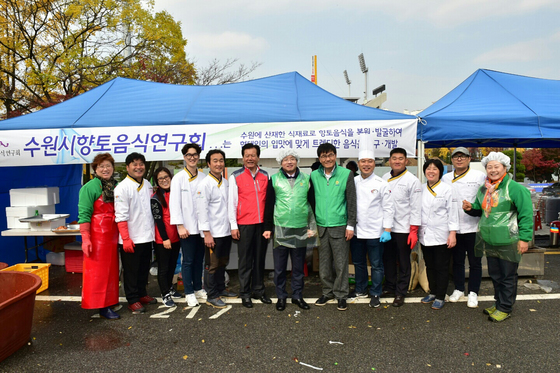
(497, 156)
(367, 150)
(285, 153)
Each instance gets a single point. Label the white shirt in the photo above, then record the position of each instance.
(182, 206)
(212, 206)
(132, 204)
(439, 214)
(406, 192)
(375, 206)
(465, 187)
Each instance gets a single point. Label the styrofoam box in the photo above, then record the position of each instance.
(13, 214)
(47, 225)
(34, 196)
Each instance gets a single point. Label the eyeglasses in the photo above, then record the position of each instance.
(192, 155)
(163, 178)
(460, 157)
(325, 156)
(103, 167)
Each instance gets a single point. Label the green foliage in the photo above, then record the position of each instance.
(520, 167)
(52, 50)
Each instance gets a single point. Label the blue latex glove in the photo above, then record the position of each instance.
(386, 236)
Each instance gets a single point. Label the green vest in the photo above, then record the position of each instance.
(330, 197)
(290, 209)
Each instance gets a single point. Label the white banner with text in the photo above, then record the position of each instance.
(164, 143)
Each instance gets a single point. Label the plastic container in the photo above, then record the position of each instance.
(74, 257)
(554, 231)
(56, 259)
(17, 301)
(39, 269)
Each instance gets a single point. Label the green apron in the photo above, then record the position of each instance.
(498, 234)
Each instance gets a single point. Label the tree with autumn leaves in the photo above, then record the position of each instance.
(541, 164)
(52, 50)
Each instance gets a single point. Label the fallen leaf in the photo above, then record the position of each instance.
(203, 341)
(466, 354)
(130, 327)
(532, 310)
(498, 366)
(185, 357)
(297, 322)
(429, 320)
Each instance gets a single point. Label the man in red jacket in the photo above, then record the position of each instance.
(247, 195)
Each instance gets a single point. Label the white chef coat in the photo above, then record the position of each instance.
(465, 187)
(212, 206)
(182, 206)
(439, 214)
(407, 200)
(375, 206)
(132, 204)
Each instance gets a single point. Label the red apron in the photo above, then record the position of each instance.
(100, 279)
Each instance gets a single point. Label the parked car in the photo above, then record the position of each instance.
(552, 190)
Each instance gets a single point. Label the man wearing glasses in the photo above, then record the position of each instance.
(182, 209)
(334, 203)
(465, 183)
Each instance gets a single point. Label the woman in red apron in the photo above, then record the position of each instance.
(100, 280)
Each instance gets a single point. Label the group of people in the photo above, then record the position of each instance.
(367, 216)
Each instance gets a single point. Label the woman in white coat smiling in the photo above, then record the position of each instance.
(437, 232)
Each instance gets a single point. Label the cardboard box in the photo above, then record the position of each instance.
(14, 213)
(34, 196)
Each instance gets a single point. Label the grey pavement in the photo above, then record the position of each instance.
(412, 338)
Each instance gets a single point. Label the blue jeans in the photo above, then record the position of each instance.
(374, 250)
(193, 256)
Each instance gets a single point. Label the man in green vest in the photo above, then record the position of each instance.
(334, 203)
(288, 213)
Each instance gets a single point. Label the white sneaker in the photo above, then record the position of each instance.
(191, 300)
(457, 294)
(472, 301)
(201, 294)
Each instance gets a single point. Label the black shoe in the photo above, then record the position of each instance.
(227, 294)
(374, 302)
(342, 305)
(322, 301)
(108, 313)
(387, 293)
(281, 304)
(246, 302)
(301, 303)
(398, 301)
(263, 298)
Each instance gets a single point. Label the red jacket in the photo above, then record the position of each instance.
(247, 196)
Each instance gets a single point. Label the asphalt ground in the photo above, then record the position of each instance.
(412, 338)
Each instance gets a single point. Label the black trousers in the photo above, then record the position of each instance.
(465, 246)
(251, 249)
(437, 268)
(281, 255)
(136, 268)
(504, 278)
(215, 264)
(397, 251)
(167, 262)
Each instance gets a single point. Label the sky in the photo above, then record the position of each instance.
(419, 49)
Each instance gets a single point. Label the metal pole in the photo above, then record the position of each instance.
(514, 162)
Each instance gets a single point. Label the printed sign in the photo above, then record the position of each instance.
(161, 143)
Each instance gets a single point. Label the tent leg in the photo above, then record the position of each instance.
(514, 163)
(420, 155)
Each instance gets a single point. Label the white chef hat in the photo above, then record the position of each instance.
(287, 152)
(367, 150)
(497, 156)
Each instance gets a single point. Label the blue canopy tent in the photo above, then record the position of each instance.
(494, 109)
(123, 102)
